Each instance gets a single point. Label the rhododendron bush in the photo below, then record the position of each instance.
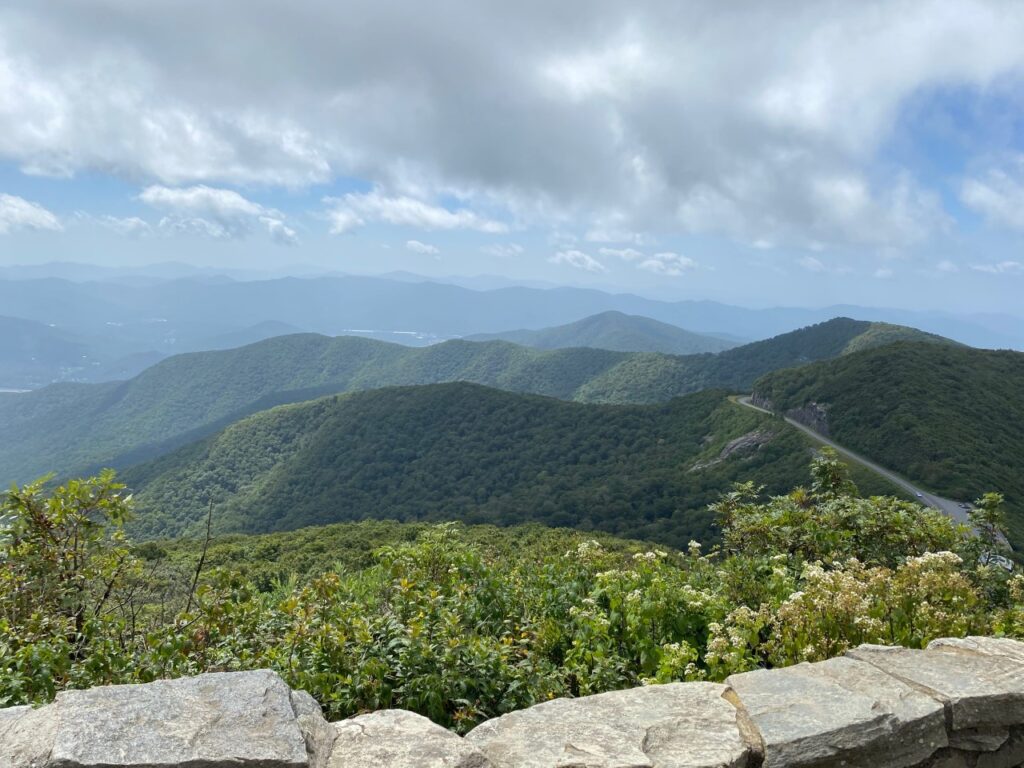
(461, 631)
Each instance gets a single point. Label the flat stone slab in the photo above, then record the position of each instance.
(679, 725)
(986, 646)
(394, 738)
(978, 689)
(26, 736)
(219, 720)
(839, 712)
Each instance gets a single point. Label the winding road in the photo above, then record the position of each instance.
(948, 506)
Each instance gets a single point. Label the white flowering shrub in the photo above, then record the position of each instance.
(461, 633)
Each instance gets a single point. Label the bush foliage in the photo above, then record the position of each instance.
(463, 624)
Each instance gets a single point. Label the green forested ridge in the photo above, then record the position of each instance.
(464, 624)
(616, 331)
(470, 453)
(73, 428)
(951, 418)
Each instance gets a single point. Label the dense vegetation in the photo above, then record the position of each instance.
(470, 453)
(463, 626)
(71, 428)
(951, 418)
(616, 331)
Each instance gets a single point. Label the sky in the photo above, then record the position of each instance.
(793, 153)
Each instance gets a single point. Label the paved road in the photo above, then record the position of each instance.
(950, 507)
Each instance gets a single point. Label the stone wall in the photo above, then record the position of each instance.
(959, 704)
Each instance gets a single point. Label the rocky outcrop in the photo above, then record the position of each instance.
(813, 415)
(957, 704)
(744, 445)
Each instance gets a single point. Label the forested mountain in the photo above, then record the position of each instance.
(471, 453)
(33, 354)
(951, 418)
(648, 378)
(74, 428)
(615, 331)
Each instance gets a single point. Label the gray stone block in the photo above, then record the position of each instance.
(317, 732)
(220, 720)
(839, 712)
(680, 725)
(27, 736)
(394, 738)
(979, 690)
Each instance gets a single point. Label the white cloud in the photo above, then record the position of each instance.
(811, 264)
(668, 263)
(18, 213)
(417, 247)
(503, 250)
(217, 213)
(627, 254)
(354, 210)
(1000, 268)
(343, 220)
(129, 226)
(947, 266)
(551, 111)
(579, 260)
(883, 273)
(999, 194)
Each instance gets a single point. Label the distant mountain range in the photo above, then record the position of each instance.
(616, 331)
(33, 354)
(72, 428)
(182, 314)
(951, 418)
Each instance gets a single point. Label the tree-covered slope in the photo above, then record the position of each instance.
(616, 331)
(951, 418)
(654, 378)
(475, 454)
(75, 429)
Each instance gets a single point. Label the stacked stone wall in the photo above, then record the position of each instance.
(958, 704)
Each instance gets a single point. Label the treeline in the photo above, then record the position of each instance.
(951, 418)
(473, 454)
(72, 429)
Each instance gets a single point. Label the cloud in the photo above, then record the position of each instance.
(579, 260)
(588, 113)
(18, 213)
(627, 254)
(355, 210)
(947, 266)
(129, 226)
(417, 247)
(883, 273)
(812, 264)
(503, 250)
(998, 195)
(668, 263)
(222, 214)
(1000, 268)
